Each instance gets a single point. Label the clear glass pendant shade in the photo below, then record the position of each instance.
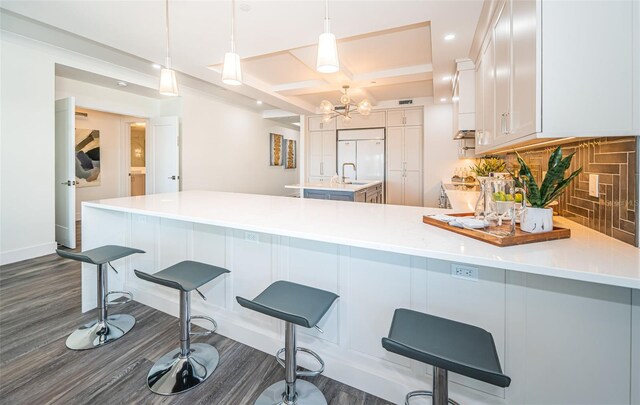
(231, 72)
(364, 107)
(168, 82)
(326, 107)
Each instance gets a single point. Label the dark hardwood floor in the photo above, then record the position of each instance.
(40, 307)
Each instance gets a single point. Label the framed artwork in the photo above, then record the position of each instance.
(290, 154)
(87, 157)
(276, 155)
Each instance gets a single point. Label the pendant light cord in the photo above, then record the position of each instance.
(166, 10)
(233, 26)
(327, 23)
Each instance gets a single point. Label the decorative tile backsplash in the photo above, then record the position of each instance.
(615, 211)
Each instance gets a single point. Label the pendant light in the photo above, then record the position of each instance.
(231, 71)
(168, 81)
(327, 61)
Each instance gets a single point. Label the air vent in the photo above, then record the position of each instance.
(405, 102)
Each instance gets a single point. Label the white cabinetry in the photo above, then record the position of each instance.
(404, 165)
(318, 124)
(405, 117)
(545, 74)
(374, 120)
(322, 155)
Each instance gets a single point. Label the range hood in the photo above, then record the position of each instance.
(464, 100)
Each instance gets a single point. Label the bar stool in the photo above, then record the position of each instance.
(106, 328)
(446, 345)
(296, 305)
(184, 368)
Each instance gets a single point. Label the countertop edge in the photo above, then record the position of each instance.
(528, 268)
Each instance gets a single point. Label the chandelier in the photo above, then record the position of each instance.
(345, 108)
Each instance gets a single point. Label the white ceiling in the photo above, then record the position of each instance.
(396, 43)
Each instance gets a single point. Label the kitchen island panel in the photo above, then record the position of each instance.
(568, 338)
(543, 317)
(480, 302)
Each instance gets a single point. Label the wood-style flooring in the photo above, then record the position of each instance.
(40, 307)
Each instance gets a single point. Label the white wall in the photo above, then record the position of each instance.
(26, 153)
(440, 150)
(226, 148)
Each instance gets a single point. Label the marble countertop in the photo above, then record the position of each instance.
(587, 256)
(329, 186)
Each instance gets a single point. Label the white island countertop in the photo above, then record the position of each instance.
(332, 186)
(588, 255)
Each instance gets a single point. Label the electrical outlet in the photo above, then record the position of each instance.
(464, 272)
(594, 185)
(251, 237)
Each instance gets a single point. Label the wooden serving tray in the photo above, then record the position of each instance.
(520, 238)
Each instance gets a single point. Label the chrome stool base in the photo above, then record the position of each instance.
(95, 333)
(173, 374)
(423, 394)
(306, 394)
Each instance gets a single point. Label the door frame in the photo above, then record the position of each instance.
(125, 161)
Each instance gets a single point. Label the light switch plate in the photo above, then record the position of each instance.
(594, 183)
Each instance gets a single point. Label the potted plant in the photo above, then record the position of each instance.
(537, 217)
(488, 166)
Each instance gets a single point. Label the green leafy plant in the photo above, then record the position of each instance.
(553, 184)
(490, 165)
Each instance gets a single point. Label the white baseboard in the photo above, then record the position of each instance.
(18, 255)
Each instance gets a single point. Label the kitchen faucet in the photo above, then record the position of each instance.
(348, 164)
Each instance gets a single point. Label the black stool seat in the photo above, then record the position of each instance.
(447, 344)
(100, 255)
(291, 302)
(184, 276)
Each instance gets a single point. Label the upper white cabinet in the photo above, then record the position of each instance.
(556, 69)
(404, 117)
(318, 124)
(376, 119)
(463, 101)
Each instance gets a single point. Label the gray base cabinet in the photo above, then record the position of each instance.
(371, 195)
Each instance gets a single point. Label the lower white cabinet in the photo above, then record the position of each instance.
(404, 165)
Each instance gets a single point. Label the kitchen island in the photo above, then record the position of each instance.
(565, 315)
(365, 191)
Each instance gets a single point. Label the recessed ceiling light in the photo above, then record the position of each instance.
(446, 78)
(259, 102)
(454, 99)
(449, 37)
(443, 99)
(156, 66)
(121, 84)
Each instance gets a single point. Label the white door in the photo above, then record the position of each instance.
(315, 154)
(413, 148)
(394, 183)
(502, 55)
(412, 188)
(370, 160)
(163, 167)
(329, 153)
(65, 176)
(395, 118)
(347, 154)
(394, 148)
(413, 116)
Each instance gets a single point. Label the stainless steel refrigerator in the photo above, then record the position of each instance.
(365, 149)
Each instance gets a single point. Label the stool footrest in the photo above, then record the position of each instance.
(413, 394)
(310, 373)
(128, 294)
(206, 318)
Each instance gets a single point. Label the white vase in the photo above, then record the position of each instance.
(536, 220)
